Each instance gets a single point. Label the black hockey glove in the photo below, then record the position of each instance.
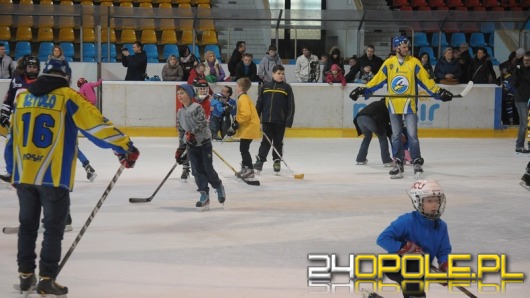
(232, 130)
(5, 113)
(445, 95)
(129, 159)
(228, 108)
(354, 95)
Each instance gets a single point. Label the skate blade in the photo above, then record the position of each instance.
(523, 184)
(91, 179)
(68, 228)
(399, 176)
(277, 173)
(522, 154)
(203, 208)
(418, 175)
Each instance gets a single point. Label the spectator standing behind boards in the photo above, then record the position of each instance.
(187, 60)
(354, 69)
(336, 76)
(425, 60)
(237, 56)
(213, 70)
(136, 64)
(364, 76)
(247, 68)
(369, 58)
(270, 60)
(307, 67)
(447, 70)
(334, 58)
(481, 69)
(464, 61)
(522, 100)
(6, 64)
(172, 71)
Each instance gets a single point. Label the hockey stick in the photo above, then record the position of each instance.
(90, 218)
(296, 176)
(460, 95)
(462, 289)
(247, 181)
(145, 200)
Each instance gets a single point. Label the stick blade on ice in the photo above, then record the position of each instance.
(139, 200)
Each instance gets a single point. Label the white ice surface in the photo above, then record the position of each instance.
(257, 245)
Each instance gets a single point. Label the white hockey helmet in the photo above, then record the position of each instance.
(202, 89)
(424, 189)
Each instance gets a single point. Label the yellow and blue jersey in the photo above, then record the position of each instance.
(402, 79)
(44, 136)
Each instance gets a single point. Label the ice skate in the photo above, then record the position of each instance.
(27, 283)
(277, 166)
(185, 172)
(221, 195)
(90, 172)
(68, 226)
(418, 170)
(6, 177)
(397, 171)
(48, 286)
(246, 173)
(362, 163)
(204, 202)
(258, 165)
(525, 181)
(522, 151)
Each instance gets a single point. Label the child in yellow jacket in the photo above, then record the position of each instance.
(247, 125)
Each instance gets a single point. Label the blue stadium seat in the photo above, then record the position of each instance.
(22, 48)
(129, 47)
(89, 52)
(170, 49)
(420, 40)
(214, 48)
(491, 40)
(152, 52)
(104, 51)
(196, 52)
(487, 27)
(45, 49)
(457, 39)
(430, 52)
(477, 40)
(435, 37)
(6, 45)
(68, 50)
(490, 53)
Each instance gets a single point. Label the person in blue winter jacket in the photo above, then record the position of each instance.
(421, 232)
(222, 105)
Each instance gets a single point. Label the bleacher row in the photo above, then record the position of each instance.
(424, 44)
(38, 37)
(463, 5)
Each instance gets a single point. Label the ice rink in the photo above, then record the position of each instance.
(257, 245)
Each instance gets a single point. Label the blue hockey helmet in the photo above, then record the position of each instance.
(398, 40)
(58, 66)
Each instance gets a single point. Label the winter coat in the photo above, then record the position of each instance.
(247, 117)
(481, 71)
(136, 66)
(327, 68)
(234, 61)
(339, 78)
(251, 73)
(6, 67)
(87, 90)
(378, 112)
(522, 83)
(375, 63)
(444, 67)
(217, 69)
(303, 69)
(193, 119)
(266, 65)
(276, 103)
(172, 73)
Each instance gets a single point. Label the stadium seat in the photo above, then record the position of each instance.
(184, 5)
(209, 37)
(170, 49)
(479, 8)
(128, 36)
(196, 51)
(497, 8)
(435, 39)
(106, 3)
(424, 8)
(104, 52)
(400, 3)
(151, 51)
(187, 37)
(457, 39)
(491, 40)
(164, 4)
(68, 49)
(45, 34)
(167, 24)
(22, 48)
(490, 53)
(186, 24)
(454, 3)
(5, 33)
(45, 49)
(89, 52)
(145, 4)
(461, 8)
(206, 25)
(406, 8)
(477, 40)
(490, 3)
(66, 35)
(89, 35)
(169, 37)
(204, 5)
(472, 3)
(201, 2)
(430, 52)
(509, 3)
(6, 45)
(104, 33)
(420, 39)
(436, 3)
(179, 2)
(214, 48)
(24, 34)
(129, 47)
(87, 3)
(418, 3)
(67, 22)
(148, 36)
(487, 27)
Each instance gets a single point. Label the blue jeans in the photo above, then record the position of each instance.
(55, 202)
(411, 122)
(368, 127)
(215, 126)
(202, 167)
(522, 111)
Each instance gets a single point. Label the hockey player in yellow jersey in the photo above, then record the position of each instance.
(403, 74)
(43, 139)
